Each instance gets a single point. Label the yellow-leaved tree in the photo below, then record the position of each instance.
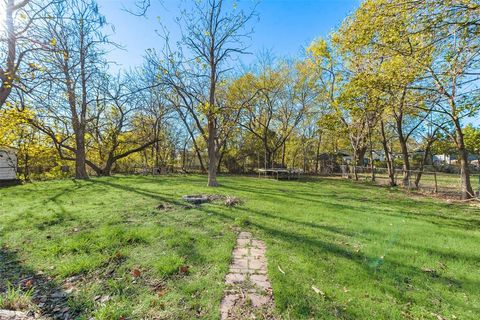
(37, 157)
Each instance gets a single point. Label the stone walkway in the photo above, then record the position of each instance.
(15, 315)
(248, 291)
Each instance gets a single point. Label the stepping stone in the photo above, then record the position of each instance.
(261, 281)
(240, 252)
(14, 315)
(258, 301)
(239, 263)
(248, 288)
(234, 278)
(244, 235)
(258, 244)
(228, 304)
(243, 243)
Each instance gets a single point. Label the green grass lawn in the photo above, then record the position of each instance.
(375, 253)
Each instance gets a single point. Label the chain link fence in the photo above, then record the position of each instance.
(440, 183)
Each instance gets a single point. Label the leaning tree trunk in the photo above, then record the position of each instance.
(422, 164)
(200, 158)
(107, 170)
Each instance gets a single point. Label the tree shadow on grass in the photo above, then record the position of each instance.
(58, 217)
(47, 296)
(388, 269)
(334, 231)
(142, 192)
(366, 206)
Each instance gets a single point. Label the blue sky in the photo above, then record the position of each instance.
(284, 26)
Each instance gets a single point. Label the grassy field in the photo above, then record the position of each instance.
(375, 253)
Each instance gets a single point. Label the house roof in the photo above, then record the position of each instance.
(6, 148)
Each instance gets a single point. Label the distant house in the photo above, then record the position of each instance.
(378, 155)
(472, 158)
(345, 156)
(8, 164)
(439, 159)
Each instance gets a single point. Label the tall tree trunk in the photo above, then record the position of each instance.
(184, 158)
(80, 155)
(212, 126)
(80, 159)
(402, 140)
(212, 153)
(361, 156)
(467, 190)
(317, 153)
(390, 165)
(372, 166)
(8, 75)
(354, 163)
(406, 159)
(304, 159)
(268, 159)
(26, 173)
(220, 156)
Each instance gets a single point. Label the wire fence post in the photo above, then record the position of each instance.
(435, 178)
(478, 195)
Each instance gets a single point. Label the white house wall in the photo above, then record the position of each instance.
(8, 165)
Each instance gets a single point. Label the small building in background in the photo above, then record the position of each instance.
(8, 164)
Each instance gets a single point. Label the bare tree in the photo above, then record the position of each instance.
(279, 102)
(74, 63)
(212, 35)
(122, 113)
(19, 39)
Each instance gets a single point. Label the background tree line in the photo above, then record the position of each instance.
(396, 77)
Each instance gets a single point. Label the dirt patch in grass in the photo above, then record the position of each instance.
(165, 206)
(227, 200)
(22, 289)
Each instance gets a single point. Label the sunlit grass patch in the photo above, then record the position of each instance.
(15, 298)
(374, 252)
(168, 264)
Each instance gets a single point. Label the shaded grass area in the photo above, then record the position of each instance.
(373, 252)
